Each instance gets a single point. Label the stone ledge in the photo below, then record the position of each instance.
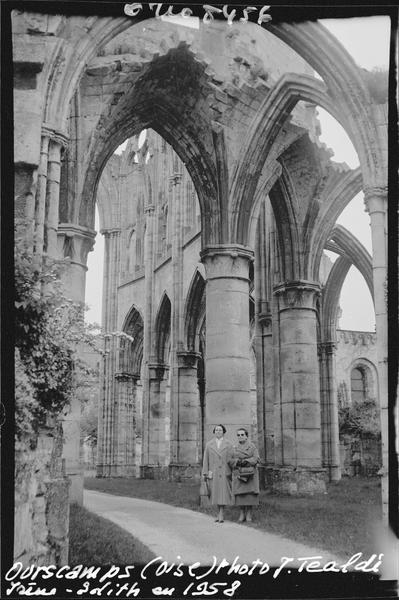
(299, 481)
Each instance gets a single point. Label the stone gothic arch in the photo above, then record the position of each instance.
(369, 376)
(131, 346)
(239, 128)
(162, 331)
(195, 311)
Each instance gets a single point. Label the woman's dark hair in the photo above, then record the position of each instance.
(219, 425)
(243, 429)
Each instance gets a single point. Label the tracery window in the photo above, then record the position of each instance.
(358, 385)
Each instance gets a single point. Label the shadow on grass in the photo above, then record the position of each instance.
(96, 541)
(346, 520)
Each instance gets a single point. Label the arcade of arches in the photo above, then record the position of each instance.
(215, 223)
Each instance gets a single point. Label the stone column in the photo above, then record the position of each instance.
(156, 422)
(148, 327)
(188, 411)
(375, 199)
(266, 342)
(227, 338)
(46, 210)
(56, 144)
(106, 414)
(74, 242)
(125, 424)
(329, 411)
(176, 325)
(40, 204)
(299, 470)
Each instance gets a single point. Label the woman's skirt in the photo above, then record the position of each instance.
(246, 499)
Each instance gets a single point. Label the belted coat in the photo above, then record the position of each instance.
(216, 461)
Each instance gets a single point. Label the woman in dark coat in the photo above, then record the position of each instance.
(217, 471)
(244, 462)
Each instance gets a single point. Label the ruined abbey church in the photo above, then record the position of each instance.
(219, 305)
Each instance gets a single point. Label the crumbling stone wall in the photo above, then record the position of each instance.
(356, 347)
(41, 499)
(360, 455)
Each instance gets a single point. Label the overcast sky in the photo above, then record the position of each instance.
(367, 40)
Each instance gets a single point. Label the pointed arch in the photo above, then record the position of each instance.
(146, 106)
(273, 114)
(162, 330)
(346, 87)
(349, 246)
(330, 298)
(195, 309)
(282, 198)
(131, 350)
(346, 188)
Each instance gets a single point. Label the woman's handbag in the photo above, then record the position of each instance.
(205, 488)
(246, 472)
(205, 493)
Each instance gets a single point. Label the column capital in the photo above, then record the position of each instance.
(375, 198)
(156, 370)
(108, 231)
(326, 348)
(187, 358)
(297, 294)
(124, 376)
(75, 242)
(234, 251)
(226, 261)
(265, 319)
(61, 137)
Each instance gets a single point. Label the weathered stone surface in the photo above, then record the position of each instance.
(299, 481)
(41, 501)
(243, 169)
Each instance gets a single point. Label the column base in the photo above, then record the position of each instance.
(184, 472)
(154, 472)
(266, 477)
(334, 473)
(301, 481)
(116, 471)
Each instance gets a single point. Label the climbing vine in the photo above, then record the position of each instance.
(49, 329)
(360, 419)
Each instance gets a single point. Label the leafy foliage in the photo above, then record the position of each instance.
(361, 419)
(49, 330)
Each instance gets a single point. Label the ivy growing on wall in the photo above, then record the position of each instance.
(361, 419)
(49, 329)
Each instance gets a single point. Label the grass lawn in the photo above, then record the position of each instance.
(96, 541)
(344, 521)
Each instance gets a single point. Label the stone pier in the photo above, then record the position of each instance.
(300, 470)
(227, 338)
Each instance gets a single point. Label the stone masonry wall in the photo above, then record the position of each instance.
(356, 347)
(41, 500)
(359, 456)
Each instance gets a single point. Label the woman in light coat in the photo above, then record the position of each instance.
(245, 458)
(217, 471)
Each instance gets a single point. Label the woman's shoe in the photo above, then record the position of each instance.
(249, 519)
(241, 519)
